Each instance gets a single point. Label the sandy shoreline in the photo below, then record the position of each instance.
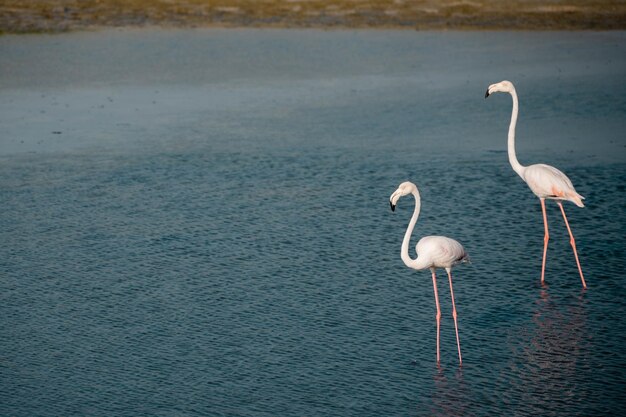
(17, 16)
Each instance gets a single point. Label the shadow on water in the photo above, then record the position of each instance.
(550, 364)
(451, 395)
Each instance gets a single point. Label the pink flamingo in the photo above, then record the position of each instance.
(433, 252)
(544, 181)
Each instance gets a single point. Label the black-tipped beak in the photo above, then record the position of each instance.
(487, 93)
(393, 207)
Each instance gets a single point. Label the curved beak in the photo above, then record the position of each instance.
(487, 93)
(393, 206)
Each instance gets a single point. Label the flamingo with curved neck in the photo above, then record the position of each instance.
(544, 181)
(432, 252)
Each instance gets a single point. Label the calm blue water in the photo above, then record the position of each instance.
(208, 231)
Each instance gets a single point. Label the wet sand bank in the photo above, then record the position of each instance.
(65, 15)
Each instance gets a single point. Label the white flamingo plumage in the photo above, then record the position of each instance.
(432, 252)
(545, 181)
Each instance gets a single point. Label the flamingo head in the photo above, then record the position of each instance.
(405, 188)
(501, 87)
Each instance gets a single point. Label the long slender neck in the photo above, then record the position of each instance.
(517, 167)
(404, 252)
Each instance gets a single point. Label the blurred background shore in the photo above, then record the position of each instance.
(19, 16)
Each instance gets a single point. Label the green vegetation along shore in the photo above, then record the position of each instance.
(20, 16)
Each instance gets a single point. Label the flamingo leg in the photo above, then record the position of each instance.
(573, 243)
(546, 237)
(438, 316)
(456, 327)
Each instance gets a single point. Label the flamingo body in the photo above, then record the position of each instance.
(439, 252)
(546, 181)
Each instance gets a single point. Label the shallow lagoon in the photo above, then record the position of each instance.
(196, 222)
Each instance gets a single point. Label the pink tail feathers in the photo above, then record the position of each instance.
(577, 199)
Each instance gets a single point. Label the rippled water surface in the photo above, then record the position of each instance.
(197, 223)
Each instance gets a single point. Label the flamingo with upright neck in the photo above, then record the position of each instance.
(544, 181)
(433, 252)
